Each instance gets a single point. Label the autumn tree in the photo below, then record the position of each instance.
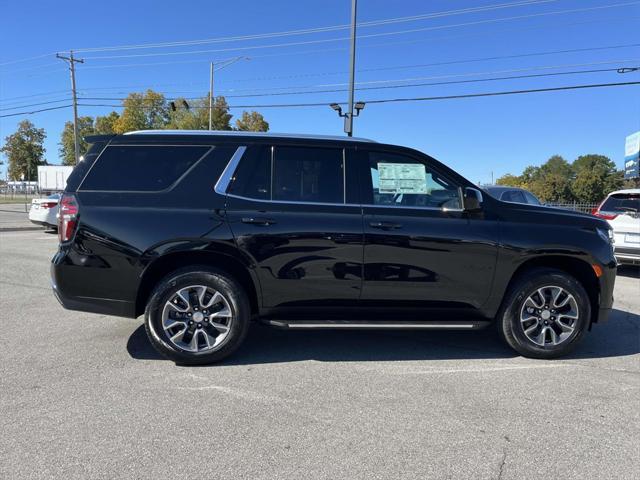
(252, 122)
(105, 125)
(25, 151)
(142, 111)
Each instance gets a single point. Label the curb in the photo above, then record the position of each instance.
(20, 229)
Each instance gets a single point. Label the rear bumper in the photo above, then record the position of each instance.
(627, 255)
(104, 306)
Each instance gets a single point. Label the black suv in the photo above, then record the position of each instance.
(204, 232)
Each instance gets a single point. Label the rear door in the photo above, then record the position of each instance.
(292, 212)
(421, 249)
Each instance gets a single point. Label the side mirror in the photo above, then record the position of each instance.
(472, 200)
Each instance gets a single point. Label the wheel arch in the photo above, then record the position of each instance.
(167, 263)
(581, 270)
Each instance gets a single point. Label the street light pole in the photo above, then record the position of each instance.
(211, 96)
(348, 119)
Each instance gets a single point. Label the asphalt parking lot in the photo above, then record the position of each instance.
(85, 396)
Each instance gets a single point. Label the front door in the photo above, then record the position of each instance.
(289, 211)
(421, 248)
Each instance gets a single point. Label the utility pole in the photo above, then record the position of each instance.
(211, 96)
(72, 67)
(348, 119)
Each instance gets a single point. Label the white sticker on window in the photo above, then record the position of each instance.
(410, 178)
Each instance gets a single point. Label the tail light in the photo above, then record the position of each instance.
(48, 205)
(599, 214)
(67, 217)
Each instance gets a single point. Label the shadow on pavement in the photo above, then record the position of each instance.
(629, 271)
(619, 337)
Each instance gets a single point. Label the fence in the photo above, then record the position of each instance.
(575, 206)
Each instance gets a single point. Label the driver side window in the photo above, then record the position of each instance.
(402, 181)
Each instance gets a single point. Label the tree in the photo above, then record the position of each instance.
(105, 125)
(551, 182)
(252, 122)
(596, 176)
(25, 150)
(67, 143)
(142, 111)
(510, 180)
(220, 118)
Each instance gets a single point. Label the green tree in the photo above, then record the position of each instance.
(105, 125)
(197, 116)
(252, 122)
(510, 180)
(551, 182)
(220, 118)
(596, 176)
(25, 151)
(143, 111)
(66, 148)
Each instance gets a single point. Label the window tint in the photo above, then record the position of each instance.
(622, 202)
(514, 196)
(303, 174)
(252, 178)
(141, 168)
(531, 198)
(404, 181)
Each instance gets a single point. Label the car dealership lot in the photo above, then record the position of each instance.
(86, 396)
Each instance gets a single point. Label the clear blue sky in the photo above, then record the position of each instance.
(475, 136)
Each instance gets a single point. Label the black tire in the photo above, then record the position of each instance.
(511, 328)
(197, 275)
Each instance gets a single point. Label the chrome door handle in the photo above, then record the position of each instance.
(258, 221)
(385, 225)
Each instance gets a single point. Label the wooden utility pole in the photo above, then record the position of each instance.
(72, 67)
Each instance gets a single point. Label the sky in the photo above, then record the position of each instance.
(475, 41)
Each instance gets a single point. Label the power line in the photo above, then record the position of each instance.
(307, 31)
(334, 90)
(384, 34)
(294, 32)
(31, 112)
(416, 99)
(34, 104)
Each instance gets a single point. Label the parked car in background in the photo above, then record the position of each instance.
(204, 232)
(621, 209)
(44, 210)
(512, 194)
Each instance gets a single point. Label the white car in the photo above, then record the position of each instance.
(44, 210)
(622, 210)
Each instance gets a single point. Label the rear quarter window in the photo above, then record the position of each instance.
(141, 168)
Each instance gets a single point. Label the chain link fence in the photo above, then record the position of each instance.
(575, 206)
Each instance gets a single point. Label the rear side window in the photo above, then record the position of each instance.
(138, 168)
(622, 203)
(291, 174)
(514, 196)
(308, 175)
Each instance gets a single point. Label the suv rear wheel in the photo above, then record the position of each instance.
(545, 315)
(197, 316)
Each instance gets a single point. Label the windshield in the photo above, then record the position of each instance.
(622, 203)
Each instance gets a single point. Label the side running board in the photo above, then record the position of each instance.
(379, 325)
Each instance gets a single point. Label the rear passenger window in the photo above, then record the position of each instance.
(291, 174)
(308, 175)
(141, 168)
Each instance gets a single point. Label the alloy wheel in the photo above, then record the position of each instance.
(197, 318)
(549, 316)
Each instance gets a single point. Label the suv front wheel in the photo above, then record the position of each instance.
(545, 315)
(197, 316)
